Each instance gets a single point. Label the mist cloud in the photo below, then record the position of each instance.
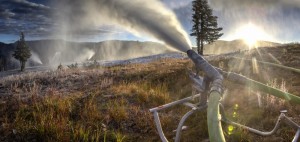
(140, 17)
(280, 18)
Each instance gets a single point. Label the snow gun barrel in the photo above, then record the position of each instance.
(203, 65)
(214, 124)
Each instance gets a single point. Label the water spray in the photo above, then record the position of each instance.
(56, 59)
(140, 17)
(35, 58)
(85, 55)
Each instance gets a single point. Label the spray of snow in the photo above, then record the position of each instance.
(140, 17)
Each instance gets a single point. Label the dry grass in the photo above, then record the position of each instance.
(84, 105)
(111, 104)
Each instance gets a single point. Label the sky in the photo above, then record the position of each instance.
(39, 20)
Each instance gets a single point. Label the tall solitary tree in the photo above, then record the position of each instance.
(205, 25)
(22, 52)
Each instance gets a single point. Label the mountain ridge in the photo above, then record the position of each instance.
(53, 52)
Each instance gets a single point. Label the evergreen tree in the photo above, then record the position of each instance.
(22, 52)
(205, 25)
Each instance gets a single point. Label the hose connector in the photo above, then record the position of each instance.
(217, 86)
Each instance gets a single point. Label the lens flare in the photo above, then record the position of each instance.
(251, 34)
(230, 129)
(274, 59)
(255, 66)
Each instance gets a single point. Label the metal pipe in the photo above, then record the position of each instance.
(179, 128)
(159, 128)
(215, 130)
(262, 133)
(202, 64)
(290, 122)
(156, 116)
(183, 119)
(296, 137)
(281, 118)
(174, 103)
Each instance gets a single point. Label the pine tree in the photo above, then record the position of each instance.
(22, 52)
(205, 27)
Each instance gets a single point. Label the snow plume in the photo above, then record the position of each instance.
(35, 58)
(140, 17)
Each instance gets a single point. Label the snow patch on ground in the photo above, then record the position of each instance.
(104, 63)
(140, 60)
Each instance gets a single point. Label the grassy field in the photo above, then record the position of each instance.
(112, 103)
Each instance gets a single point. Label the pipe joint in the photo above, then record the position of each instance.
(217, 86)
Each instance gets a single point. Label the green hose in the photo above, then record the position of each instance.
(213, 113)
(213, 118)
(215, 130)
(260, 86)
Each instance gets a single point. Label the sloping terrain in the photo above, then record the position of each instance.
(221, 46)
(54, 52)
(112, 103)
(50, 52)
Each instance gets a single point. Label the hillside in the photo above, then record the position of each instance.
(54, 52)
(112, 103)
(221, 46)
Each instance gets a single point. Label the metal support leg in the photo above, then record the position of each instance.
(290, 122)
(282, 118)
(158, 126)
(224, 119)
(296, 136)
(179, 127)
(183, 119)
(262, 133)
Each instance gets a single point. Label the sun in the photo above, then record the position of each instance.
(251, 33)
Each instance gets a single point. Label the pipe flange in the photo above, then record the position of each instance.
(217, 86)
(218, 89)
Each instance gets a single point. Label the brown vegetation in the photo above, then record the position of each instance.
(111, 104)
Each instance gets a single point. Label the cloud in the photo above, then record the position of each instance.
(5, 13)
(26, 3)
(40, 18)
(280, 18)
(23, 15)
(246, 4)
(175, 4)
